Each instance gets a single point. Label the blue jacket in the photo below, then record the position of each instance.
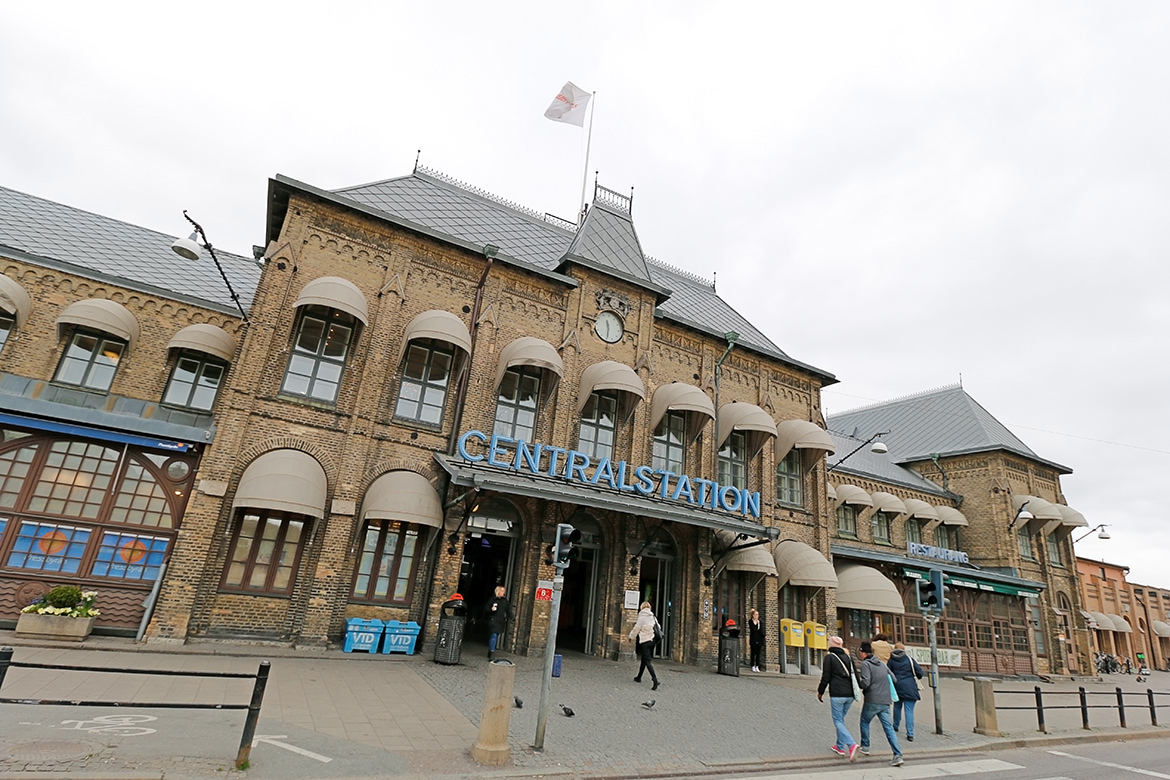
(906, 673)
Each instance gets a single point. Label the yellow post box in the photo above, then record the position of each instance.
(793, 631)
(816, 635)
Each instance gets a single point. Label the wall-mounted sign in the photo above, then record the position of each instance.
(631, 599)
(938, 553)
(573, 466)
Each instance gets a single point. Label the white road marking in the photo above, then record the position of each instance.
(865, 769)
(271, 739)
(1122, 767)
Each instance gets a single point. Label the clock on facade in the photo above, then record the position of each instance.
(609, 327)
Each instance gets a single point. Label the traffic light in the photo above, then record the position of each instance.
(926, 594)
(564, 554)
(938, 583)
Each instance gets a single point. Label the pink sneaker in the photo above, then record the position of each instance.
(853, 752)
(838, 751)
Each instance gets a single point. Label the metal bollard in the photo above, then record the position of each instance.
(491, 745)
(986, 722)
(245, 752)
(6, 660)
(1153, 707)
(1084, 708)
(1121, 708)
(1040, 711)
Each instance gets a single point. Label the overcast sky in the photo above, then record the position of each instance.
(902, 194)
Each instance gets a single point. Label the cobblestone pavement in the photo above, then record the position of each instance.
(399, 716)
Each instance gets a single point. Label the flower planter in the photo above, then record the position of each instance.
(63, 629)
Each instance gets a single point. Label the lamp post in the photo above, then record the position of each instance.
(1103, 535)
(1023, 515)
(879, 447)
(189, 248)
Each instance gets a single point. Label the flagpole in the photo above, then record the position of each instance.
(585, 173)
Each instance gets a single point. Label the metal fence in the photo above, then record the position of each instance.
(1117, 701)
(253, 706)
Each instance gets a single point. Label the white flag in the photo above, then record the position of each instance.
(569, 105)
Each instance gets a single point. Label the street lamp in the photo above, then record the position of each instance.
(879, 447)
(189, 249)
(1022, 515)
(1103, 535)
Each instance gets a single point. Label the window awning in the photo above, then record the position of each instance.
(1071, 517)
(101, 314)
(403, 496)
(1103, 621)
(208, 339)
(1089, 618)
(439, 325)
(284, 480)
(864, 587)
(14, 299)
(609, 375)
(951, 516)
(887, 502)
(800, 564)
(530, 351)
(831, 492)
(749, 418)
(853, 495)
(334, 293)
(754, 559)
(1120, 624)
(1043, 512)
(681, 397)
(1160, 628)
(921, 510)
(812, 440)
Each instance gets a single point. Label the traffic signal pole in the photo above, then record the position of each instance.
(550, 651)
(933, 621)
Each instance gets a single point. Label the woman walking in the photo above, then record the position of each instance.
(643, 635)
(755, 638)
(906, 673)
(837, 674)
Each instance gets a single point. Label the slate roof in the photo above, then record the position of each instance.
(881, 468)
(54, 235)
(607, 241)
(943, 422)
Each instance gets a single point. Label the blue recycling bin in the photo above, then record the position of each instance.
(400, 637)
(556, 672)
(363, 635)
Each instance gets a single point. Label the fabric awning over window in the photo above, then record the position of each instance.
(1119, 623)
(921, 510)
(208, 339)
(284, 480)
(101, 314)
(831, 492)
(439, 325)
(1090, 618)
(1160, 628)
(800, 564)
(864, 587)
(335, 293)
(1071, 517)
(813, 441)
(852, 495)
(530, 351)
(681, 397)
(754, 559)
(887, 502)
(1103, 621)
(403, 496)
(951, 516)
(14, 299)
(749, 418)
(609, 375)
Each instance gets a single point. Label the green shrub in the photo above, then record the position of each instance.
(64, 596)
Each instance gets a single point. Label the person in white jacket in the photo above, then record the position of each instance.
(643, 635)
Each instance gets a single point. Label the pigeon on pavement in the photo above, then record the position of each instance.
(518, 702)
(649, 704)
(567, 710)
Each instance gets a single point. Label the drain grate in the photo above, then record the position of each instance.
(46, 750)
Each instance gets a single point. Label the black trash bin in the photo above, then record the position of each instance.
(449, 638)
(729, 649)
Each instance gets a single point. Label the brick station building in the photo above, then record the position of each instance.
(429, 381)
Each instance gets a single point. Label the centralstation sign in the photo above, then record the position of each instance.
(573, 466)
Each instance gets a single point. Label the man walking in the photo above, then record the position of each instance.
(876, 684)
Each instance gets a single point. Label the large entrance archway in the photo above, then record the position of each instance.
(577, 628)
(656, 583)
(489, 552)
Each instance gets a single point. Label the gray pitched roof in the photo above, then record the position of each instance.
(54, 235)
(881, 468)
(942, 422)
(607, 240)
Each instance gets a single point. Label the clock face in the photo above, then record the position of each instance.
(609, 327)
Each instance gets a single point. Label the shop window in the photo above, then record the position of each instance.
(598, 426)
(946, 536)
(90, 361)
(1055, 551)
(1024, 540)
(74, 479)
(386, 565)
(194, 382)
(790, 479)
(1037, 625)
(266, 550)
(669, 449)
(7, 323)
(913, 531)
(516, 404)
(52, 547)
(881, 527)
(733, 460)
(426, 376)
(319, 353)
(130, 556)
(14, 466)
(847, 521)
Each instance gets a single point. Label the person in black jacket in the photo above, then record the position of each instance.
(499, 613)
(755, 638)
(906, 673)
(837, 674)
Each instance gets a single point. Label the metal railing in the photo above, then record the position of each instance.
(253, 706)
(1117, 702)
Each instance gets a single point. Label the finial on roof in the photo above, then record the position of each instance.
(416, 156)
(714, 279)
(960, 379)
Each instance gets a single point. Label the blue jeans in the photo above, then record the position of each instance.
(909, 716)
(840, 706)
(883, 714)
(492, 640)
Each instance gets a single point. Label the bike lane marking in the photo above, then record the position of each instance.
(273, 739)
(1123, 767)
